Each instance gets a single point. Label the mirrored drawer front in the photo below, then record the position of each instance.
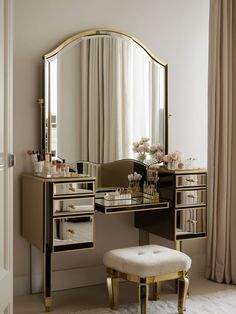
(73, 188)
(190, 198)
(73, 205)
(190, 180)
(191, 221)
(73, 232)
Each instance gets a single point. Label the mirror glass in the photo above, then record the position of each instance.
(103, 91)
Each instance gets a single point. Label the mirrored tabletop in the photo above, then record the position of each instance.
(133, 204)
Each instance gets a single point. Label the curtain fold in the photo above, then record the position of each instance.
(104, 98)
(221, 247)
(121, 94)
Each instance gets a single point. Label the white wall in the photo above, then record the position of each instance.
(175, 30)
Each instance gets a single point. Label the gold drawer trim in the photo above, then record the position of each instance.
(73, 230)
(190, 198)
(72, 206)
(73, 188)
(191, 221)
(190, 180)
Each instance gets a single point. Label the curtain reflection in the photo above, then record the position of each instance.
(110, 93)
(104, 98)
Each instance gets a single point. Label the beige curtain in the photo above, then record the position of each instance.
(221, 247)
(104, 99)
(121, 98)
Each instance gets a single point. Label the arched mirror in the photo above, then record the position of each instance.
(103, 90)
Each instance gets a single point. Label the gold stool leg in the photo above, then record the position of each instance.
(113, 291)
(182, 293)
(143, 297)
(156, 290)
(48, 304)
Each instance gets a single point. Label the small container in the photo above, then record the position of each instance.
(67, 170)
(63, 170)
(34, 158)
(53, 168)
(48, 157)
(38, 167)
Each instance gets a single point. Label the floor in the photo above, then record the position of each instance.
(87, 298)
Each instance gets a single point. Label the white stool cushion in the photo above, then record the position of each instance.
(146, 261)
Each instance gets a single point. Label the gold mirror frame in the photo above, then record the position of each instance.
(45, 102)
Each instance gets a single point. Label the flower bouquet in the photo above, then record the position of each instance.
(156, 153)
(142, 148)
(173, 160)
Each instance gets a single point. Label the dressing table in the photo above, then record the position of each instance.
(58, 215)
(103, 89)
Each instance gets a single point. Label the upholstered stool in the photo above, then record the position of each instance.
(148, 264)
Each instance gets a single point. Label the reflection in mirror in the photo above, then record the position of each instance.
(102, 93)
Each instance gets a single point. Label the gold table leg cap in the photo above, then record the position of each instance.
(48, 304)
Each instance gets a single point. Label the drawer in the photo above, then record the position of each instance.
(72, 233)
(73, 205)
(190, 180)
(73, 188)
(190, 197)
(191, 222)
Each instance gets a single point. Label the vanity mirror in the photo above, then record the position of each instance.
(103, 90)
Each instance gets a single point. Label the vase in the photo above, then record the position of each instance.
(172, 165)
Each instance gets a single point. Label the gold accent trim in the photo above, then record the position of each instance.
(48, 304)
(185, 171)
(75, 250)
(148, 280)
(62, 179)
(100, 31)
(113, 291)
(93, 32)
(191, 189)
(113, 287)
(156, 291)
(134, 210)
(178, 245)
(40, 101)
(165, 205)
(183, 286)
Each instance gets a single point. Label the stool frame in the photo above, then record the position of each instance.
(113, 277)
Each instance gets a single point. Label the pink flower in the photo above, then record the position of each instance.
(146, 145)
(167, 158)
(159, 156)
(153, 149)
(174, 156)
(140, 149)
(145, 139)
(135, 144)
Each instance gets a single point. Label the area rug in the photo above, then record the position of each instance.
(221, 302)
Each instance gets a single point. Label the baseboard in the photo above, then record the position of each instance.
(61, 280)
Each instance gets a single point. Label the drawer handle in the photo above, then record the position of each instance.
(191, 196)
(71, 231)
(71, 206)
(192, 221)
(72, 189)
(190, 180)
